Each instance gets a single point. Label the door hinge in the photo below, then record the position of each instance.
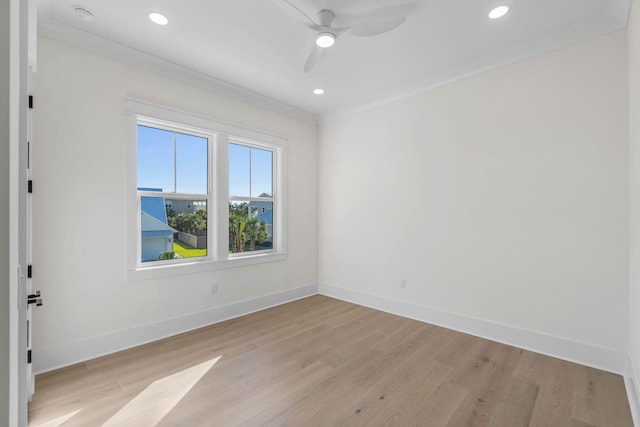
(29, 270)
(30, 186)
(30, 101)
(34, 299)
(28, 356)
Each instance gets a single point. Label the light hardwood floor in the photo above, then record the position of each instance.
(325, 362)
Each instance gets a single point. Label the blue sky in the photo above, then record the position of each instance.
(249, 171)
(249, 168)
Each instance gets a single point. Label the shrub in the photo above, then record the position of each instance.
(167, 255)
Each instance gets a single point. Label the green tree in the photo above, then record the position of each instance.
(189, 222)
(184, 222)
(256, 232)
(243, 229)
(240, 210)
(237, 235)
(238, 217)
(200, 219)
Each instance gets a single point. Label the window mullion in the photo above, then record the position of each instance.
(175, 163)
(173, 196)
(251, 199)
(222, 196)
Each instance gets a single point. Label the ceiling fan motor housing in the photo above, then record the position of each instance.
(325, 17)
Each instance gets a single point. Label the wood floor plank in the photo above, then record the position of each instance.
(531, 367)
(319, 361)
(516, 404)
(338, 379)
(486, 380)
(593, 386)
(282, 391)
(555, 397)
(400, 395)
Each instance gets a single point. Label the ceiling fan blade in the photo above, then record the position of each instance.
(379, 14)
(316, 53)
(379, 26)
(297, 14)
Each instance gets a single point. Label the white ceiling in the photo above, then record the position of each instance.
(254, 50)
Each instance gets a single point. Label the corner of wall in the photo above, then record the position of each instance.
(611, 360)
(630, 382)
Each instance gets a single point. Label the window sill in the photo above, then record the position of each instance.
(163, 271)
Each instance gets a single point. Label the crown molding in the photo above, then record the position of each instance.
(615, 19)
(619, 10)
(74, 37)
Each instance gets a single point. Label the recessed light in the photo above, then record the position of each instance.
(158, 18)
(84, 14)
(325, 39)
(498, 12)
(318, 91)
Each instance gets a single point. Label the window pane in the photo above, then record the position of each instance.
(173, 229)
(261, 173)
(250, 226)
(239, 170)
(250, 171)
(191, 164)
(189, 219)
(157, 235)
(155, 159)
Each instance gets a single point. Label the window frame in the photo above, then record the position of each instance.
(220, 136)
(274, 193)
(209, 196)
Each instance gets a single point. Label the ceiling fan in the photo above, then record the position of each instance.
(372, 23)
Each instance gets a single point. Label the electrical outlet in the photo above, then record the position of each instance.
(403, 283)
(213, 289)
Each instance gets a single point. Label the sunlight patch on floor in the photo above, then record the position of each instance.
(58, 421)
(157, 400)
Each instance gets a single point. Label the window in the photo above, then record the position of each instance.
(172, 166)
(202, 194)
(250, 198)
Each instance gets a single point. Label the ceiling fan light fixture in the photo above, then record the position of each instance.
(158, 18)
(325, 39)
(499, 11)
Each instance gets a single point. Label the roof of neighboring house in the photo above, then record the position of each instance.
(154, 206)
(152, 227)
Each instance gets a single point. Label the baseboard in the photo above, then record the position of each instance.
(79, 351)
(630, 383)
(598, 357)
(586, 354)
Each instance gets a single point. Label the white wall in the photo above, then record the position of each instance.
(634, 164)
(502, 197)
(80, 182)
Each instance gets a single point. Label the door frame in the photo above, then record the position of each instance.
(22, 15)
